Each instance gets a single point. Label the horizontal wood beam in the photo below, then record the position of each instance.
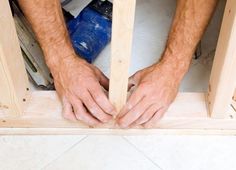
(187, 115)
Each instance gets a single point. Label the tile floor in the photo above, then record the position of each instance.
(150, 152)
(154, 152)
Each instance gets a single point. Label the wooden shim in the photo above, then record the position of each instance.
(13, 78)
(223, 81)
(187, 115)
(121, 48)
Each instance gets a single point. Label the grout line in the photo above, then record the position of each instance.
(64, 152)
(140, 151)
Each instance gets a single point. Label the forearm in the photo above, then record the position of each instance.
(46, 19)
(190, 21)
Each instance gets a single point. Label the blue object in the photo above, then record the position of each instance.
(90, 32)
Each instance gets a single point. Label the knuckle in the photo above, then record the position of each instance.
(82, 93)
(98, 97)
(95, 87)
(142, 86)
(88, 102)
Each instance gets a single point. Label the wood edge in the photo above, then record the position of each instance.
(191, 121)
(114, 132)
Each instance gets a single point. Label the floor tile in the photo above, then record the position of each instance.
(103, 153)
(188, 152)
(32, 152)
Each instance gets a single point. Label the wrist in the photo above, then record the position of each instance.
(56, 53)
(177, 64)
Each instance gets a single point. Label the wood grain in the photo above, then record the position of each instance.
(223, 81)
(42, 115)
(121, 47)
(13, 78)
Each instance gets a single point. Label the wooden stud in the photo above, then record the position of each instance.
(187, 115)
(223, 81)
(13, 78)
(121, 47)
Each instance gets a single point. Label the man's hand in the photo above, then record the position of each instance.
(79, 86)
(155, 89)
(77, 82)
(157, 86)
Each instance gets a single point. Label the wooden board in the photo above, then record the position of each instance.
(187, 115)
(223, 80)
(13, 78)
(121, 47)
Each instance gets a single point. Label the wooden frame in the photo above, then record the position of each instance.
(23, 112)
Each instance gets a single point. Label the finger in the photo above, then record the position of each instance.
(133, 114)
(157, 116)
(132, 81)
(133, 100)
(102, 100)
(82, 114)
(103, 80)
(94, 109)
(148, 114)
(67, 110)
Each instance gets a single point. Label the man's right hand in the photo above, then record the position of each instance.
(80, 87)
(78, 83)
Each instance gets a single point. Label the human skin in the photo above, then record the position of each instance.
(79, 84)
(156, 87)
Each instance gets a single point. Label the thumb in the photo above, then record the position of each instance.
(134, 80)
(103, 80)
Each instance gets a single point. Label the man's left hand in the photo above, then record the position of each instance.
(155, 88)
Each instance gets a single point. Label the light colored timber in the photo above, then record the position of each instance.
(223, 81)
(121, 47)
(13, 78)
(187, 115)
